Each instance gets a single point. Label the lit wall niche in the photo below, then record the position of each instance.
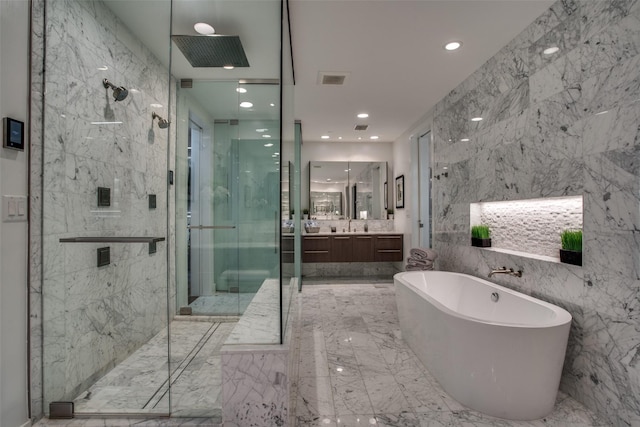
(531, 226)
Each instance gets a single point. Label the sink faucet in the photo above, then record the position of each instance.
(349, 224)
(505, 270)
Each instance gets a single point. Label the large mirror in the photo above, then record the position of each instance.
(343, 190)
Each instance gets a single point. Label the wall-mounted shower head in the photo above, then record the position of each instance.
(119, 92)
(162, 123)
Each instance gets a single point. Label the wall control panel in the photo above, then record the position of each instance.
(14, 209)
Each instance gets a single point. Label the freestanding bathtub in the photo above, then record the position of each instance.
(502, 358)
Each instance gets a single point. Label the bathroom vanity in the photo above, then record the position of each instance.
(352, 247)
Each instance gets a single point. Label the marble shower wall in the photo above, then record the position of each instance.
(94, 317)
(557, 125)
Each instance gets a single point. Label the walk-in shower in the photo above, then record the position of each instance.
(192, 217)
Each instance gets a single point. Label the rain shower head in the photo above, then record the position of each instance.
(119, 92)
(216, 50)
(162, 123)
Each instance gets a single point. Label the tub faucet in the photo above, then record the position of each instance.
(505, 270)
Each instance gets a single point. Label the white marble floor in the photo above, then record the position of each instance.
(355, 370)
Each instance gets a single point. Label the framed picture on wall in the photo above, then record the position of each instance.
(400, 192)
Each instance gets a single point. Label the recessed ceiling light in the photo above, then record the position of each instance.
(359, 138)
(268, 144)
(465, 140)
(453, 45)
(261, 130)
(551, 50)
(328, 179)
(363, 115)
(204, 28)
(325, 137)
(241, 90)
(228, 67)
(374, 137)
(246, 104)
(266, 136)
(476, 119)
(339, 137)
(272, 104)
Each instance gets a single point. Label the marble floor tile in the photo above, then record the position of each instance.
(350, 395)
(359, 324)
(315, 398)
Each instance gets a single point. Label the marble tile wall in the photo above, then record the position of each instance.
(557, 125)
(91, 317)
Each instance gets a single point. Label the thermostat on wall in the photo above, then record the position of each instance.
(13, 136)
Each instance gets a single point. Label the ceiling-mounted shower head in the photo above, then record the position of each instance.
(162, 123)
(119, 92)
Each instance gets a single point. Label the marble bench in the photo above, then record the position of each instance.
(255, 366)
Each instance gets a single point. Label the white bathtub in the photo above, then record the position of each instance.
(501, 358)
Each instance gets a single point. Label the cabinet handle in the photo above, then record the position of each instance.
(389, 237)
(316, 252)
(316, 238)
(389, 250)
(363, 237)
(342, 238)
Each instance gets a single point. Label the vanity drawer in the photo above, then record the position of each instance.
(316, 249)
(389, 247)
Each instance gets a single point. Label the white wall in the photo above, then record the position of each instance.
(14, 48)
(404, 149)
(343, 152)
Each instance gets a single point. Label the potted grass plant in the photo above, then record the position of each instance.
(305, 214)
(571, 252)
(481, 236)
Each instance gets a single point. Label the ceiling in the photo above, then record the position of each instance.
(391, 51)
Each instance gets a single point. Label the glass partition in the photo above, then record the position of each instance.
(339, 190)
(105, 210)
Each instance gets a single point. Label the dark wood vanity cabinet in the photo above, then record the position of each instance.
(363, 248)
(341, 248)
(389, 247)
(316, 249)
(287, 243)
(352, 248)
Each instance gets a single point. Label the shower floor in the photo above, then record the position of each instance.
(222, 304)
(140, 383)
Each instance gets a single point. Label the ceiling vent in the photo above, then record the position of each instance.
(361, 127)
(333, 78)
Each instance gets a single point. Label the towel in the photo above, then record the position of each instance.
(425, 262)
(423, 253)
(416, 267)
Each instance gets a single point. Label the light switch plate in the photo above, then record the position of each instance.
(14, 208)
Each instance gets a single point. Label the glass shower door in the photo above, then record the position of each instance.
(104, 206)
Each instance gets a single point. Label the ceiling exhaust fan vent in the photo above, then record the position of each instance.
(332, 78)
(361, 127)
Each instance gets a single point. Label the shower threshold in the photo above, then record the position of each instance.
(141, 383)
